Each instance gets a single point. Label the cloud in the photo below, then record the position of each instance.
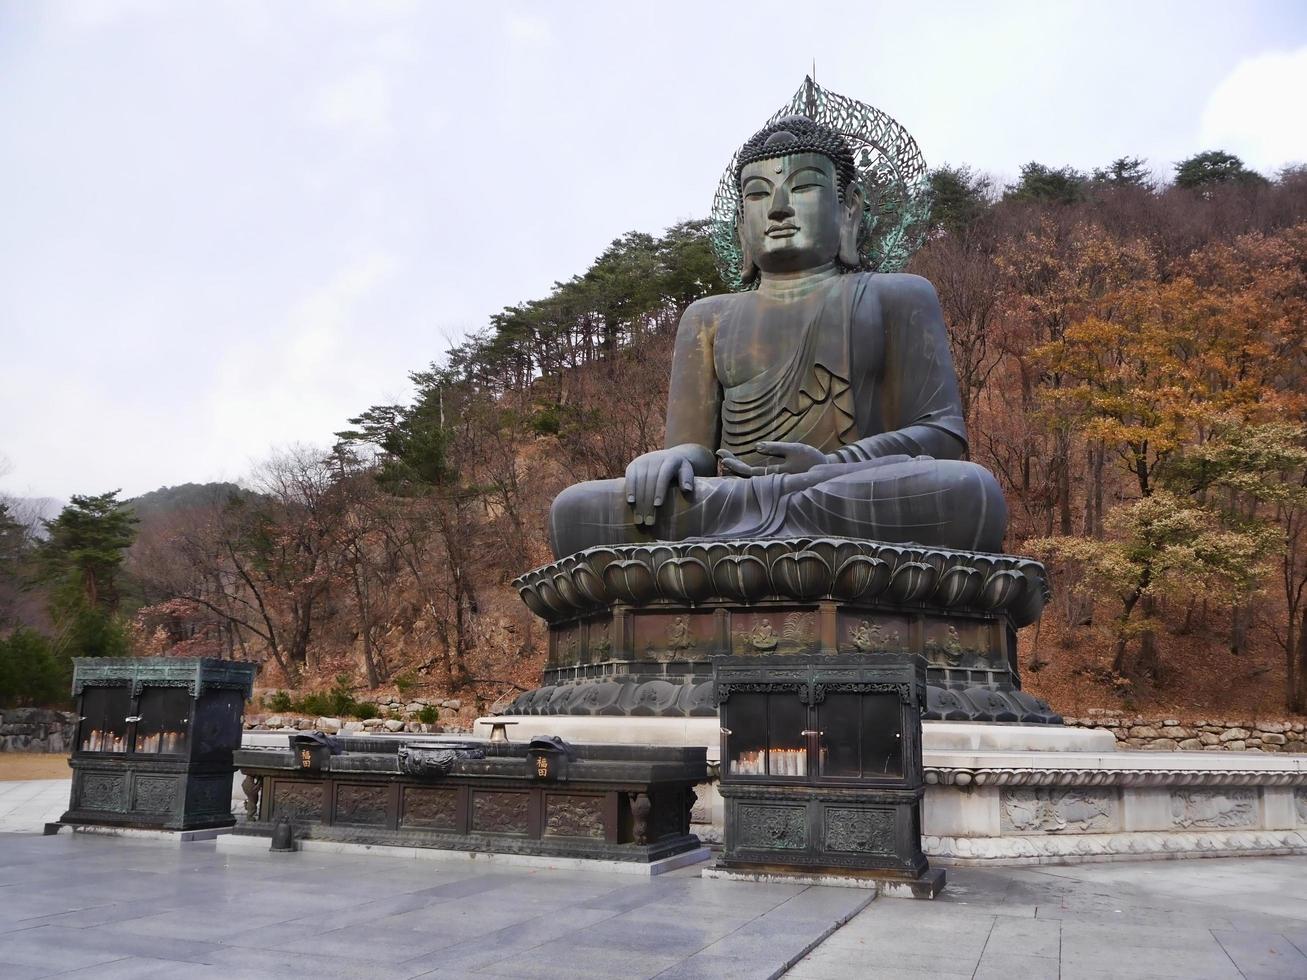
(315, 366)
(528, 31)
(1256, 111)
(360, 103)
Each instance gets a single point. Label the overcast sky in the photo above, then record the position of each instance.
(228, 226)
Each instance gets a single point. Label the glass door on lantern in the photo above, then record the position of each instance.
(766, 734)
(103, 725)
(164, 721)
(861, 735)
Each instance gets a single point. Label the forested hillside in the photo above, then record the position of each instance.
(1132, 362)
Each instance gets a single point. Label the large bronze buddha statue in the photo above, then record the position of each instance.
(826, 393)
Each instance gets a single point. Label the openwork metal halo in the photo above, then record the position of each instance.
(889, 167)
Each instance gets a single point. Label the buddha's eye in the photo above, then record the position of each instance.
(806, 187)
(756, 196)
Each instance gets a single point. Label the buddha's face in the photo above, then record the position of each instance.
(791, 215)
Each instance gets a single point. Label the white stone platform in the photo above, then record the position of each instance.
(1030, 794)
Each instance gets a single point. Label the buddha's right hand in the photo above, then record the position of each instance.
(649, 478)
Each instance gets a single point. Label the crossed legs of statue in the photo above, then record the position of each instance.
(938, 503)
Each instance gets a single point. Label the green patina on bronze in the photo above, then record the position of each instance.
(886, 162)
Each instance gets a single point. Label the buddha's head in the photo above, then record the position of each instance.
(800, 200)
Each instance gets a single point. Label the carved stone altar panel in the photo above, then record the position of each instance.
(103, 791)
(779, 632)
(365, 805)
(436, 809)
(859, 830)
(154, 794)
(302, 801)
(1300, 805)
(570, 815)
(766, 827)
(499, 813)
(1208, 809)
(1059, 811)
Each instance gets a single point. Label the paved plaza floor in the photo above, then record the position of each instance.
(87, 906)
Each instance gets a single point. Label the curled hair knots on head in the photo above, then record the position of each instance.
(799, 134)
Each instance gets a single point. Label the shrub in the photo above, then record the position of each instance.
(278, 701)
(428, 715)
(31, 672)
(405, 682)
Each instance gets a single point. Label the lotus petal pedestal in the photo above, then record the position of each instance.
(633, 629)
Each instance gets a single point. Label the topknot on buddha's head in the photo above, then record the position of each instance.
(799, 134)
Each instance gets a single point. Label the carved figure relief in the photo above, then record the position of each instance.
(302, 802)
(574, 816)
(601, 643)
(499, 813)
(762, 638)
(1057, 811)
(859, 831)
(1300, 804)
(772, 827)
(253, 787)
(872, 638)
(362, 804)
(1223, 809)
(436, 809)
(679, 637)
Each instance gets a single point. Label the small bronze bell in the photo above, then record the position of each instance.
(283, 835)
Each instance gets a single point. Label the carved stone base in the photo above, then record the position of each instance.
(633, 630)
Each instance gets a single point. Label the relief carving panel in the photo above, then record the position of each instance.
(1300, 804)
(859, 831)
(365, 805)
(499, 813)
(209, 795)
(771, 827)
(299, 801)
(1059, 811)
(436, 809)
(154, 794)
(1223, 809)
(574, 816)
(104, 791)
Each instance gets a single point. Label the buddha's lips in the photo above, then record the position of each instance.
(782, 231)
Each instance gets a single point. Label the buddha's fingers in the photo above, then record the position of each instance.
(687, 475)
(663, 481)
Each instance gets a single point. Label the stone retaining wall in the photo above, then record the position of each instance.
(36, 730)
(1161, 734)
(393, 716)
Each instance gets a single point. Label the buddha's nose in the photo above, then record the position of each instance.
(780, 206)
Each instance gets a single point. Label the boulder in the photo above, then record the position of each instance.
(1234, 735)
(1190, 745)
(393, 725)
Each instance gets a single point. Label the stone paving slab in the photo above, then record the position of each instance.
(81, 906)
(109, 907)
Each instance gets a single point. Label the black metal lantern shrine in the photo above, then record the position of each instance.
(821, 764)
(155, 738)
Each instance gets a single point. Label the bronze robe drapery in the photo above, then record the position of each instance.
(859, 368)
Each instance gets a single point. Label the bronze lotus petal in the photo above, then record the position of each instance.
(686, 579)
(860, 577)
(563, 583)
(912, 581)
(600, 558)
(531, 596)
(549, 595)
(655, 556)
(630, 581)
(1002, 588)
(587, 581)
(959, 586)
(801, 574)
(768, 551)
(741, 577)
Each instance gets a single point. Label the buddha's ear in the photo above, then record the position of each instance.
(748, 266)
(851, 223)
